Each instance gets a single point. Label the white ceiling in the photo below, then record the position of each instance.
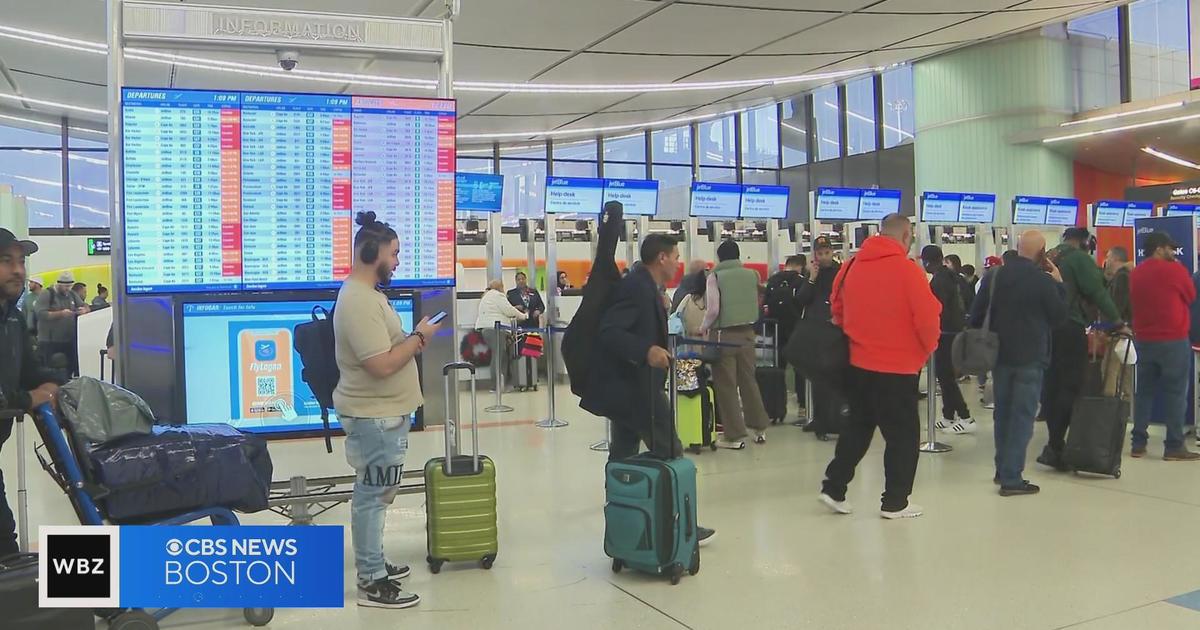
(567, 41)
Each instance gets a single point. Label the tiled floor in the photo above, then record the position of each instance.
(1088, 553)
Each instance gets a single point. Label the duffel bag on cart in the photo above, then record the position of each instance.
(177, 469)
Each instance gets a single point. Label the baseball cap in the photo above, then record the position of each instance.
(1076, 233)
(7, 239)
(822, 242)
(1154, 240)
(66, 277)
(992, 261)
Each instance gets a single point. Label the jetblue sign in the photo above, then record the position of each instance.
(195, 567)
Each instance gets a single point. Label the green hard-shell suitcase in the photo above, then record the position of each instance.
(460, 495)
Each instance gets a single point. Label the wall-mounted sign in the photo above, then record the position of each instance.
(99, 246)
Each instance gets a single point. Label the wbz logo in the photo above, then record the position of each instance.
(79, 567)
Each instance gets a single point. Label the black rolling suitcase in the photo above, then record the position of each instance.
(1098, 425)
(772, 379)
(19, 600)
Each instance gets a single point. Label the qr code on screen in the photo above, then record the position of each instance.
(265, 385)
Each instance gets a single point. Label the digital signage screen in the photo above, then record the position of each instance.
(1109, 213)
(877, 203)
(1062, 211)
(240, 367)
(838, 204)
(639, 197)
(1184, 209)
(574, 195)
(940, 207)
(234, 190)
(764, 202)
(977, 208)
(1030, 210)
(1137, 210)
(478, 192)
(716, 201)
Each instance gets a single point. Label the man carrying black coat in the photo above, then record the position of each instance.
(628, 377)
(813, 299)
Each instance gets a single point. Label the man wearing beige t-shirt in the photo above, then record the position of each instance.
(378, 390)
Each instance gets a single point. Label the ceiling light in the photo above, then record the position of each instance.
(1152, 123)
(1146, 110)
(1170, 158)
(205, 63)
(670, 122)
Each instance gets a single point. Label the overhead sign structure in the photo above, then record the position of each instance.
(478, 192)
(764, 202)
(1113, 213)
(716, 201)
(639, 197)
(574, 195)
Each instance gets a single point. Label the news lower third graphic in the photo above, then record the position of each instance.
(192, 567)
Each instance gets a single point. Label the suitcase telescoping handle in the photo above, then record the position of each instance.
(18, 418)
(447, 370)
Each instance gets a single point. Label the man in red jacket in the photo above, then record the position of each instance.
(1161, 293)
(883, 302)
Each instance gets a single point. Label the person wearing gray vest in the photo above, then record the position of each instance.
(732, 296)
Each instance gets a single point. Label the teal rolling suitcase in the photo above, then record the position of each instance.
(650, 515)
(460, 496)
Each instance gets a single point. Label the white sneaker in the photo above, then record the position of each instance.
(989, 405)
(839, 507)
(963, 427)
(912, 511)
(760, 437)
(943, 425)
(735, 445)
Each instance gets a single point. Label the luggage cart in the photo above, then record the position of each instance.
(57, 458)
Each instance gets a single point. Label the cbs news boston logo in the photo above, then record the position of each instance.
(191, 567)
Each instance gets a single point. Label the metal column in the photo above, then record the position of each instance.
(551, 421)
(116, 214)
(495, 248)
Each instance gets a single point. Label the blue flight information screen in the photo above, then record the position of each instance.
(1109, 213)
(877, 203)
(1184, 209)
(940, 207)
(716, 201)
(240, 367)
(1062, 211)
(258, 190)
(838, 204)
(1030, 210)
(977, 208)
(639, 197)
(764, 202)
(478, 192)
(1137, 210)
(574, 195)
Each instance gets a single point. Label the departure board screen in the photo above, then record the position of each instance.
(258, 191)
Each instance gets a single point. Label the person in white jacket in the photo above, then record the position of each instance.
(494, 307)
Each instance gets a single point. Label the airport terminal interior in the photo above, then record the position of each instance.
(204, 164)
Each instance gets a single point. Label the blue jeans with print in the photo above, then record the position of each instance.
(375, 448)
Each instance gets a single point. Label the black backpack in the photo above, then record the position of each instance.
(780, 299)
(314, 342)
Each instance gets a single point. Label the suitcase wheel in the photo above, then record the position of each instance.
(258, 617)
(133, 620)
(676, 574)
(1117, 474)
(617, 565)
(486, 561)
(695, 568)
(694, 449)
(435, 566)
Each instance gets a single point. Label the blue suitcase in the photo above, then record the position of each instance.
(650, 515)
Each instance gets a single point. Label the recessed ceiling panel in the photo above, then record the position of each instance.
(549, 104)
(509, 124)
(814, 5)
(861, 32)
(700, 30)
(936, 6)
(565, 24)
(741, 68)
(601, 68)
(987, 26)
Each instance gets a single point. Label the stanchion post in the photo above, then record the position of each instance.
(931, 445)
(551, 422)
(603, 445)
(808, 405)
(22, 491)
(499, 367)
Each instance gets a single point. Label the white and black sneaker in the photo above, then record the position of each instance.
(385, 594)
(396, 571)
(963, 427)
